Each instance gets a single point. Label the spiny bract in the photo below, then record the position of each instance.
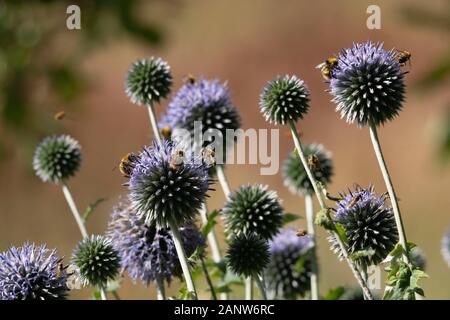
(253, 209)
(167, 188)
(57, 158)
(32, 273)
(148, 80)
(367, 84)
(247, 255)
(289, 270)
(96, 260)
(284, 99)
(294, 174)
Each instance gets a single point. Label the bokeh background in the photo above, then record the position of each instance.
(45, 68)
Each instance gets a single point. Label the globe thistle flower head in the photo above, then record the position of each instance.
(282, 275)
(146, 252)
(294, 173)
(367, 84)
(148, 80)
(247, 255)
(207, 102)
(32, 273)
(253, 209)
(284, 99)
(96, 260)
(57, 158)
(368, 223)
(168, 184)
(445, 249)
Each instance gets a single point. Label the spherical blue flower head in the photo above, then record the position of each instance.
(148, 80)
(168, 184)
(367, 84)
(284, 99)
(32, 273)
(294, 173)
(148, 253)
(57, 158)
(418, 258)
(206, 101)
(282, 275)
(446, 247)
(368, 224)
(253, 209)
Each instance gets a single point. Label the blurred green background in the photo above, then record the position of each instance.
(46, 68)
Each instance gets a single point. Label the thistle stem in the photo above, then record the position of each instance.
(208, 279)
(314, 278)
(74, 210)
(319, 196)
(154, 122)
(223, 180)
(103, 293)
(391, 191)
(183, 260)
(249, 288)
(160, 290)
(262, 288)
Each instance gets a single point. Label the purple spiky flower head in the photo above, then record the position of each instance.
(369, 224)
(168, 184)
(367, 84)
(148, 253)
(32, 272)
(207, 102)
(289, 270)
(446, 247)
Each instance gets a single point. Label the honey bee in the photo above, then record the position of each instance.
(127, 164)
(403, 57)
(326, 67)
(209, 156)
(354, 201)
(166, 132)
(177, 158)
(60, 115)
(314, 162)
(301, 233)
(189, 79)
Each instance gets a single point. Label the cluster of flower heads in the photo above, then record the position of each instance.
(368, 223)
(32, 273)
(148, 253)
(97, 261)
(367, 84)
(148, 80)
(168, 184)
(57, 158)
(294, 173)
(289, 270)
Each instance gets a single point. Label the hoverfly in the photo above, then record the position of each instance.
(301, 233)
(354, 201)
(403, 57)
(60, 115)
(177, 158)
(314, 162)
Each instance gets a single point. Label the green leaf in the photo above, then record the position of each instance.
(334, 294)
(91, 208)
(290, 217)
(195, 256)
(397, 251)
(96, 295)
(362, 254)
(322, 219)
(341, 231)
(210, 224)
(300, 263)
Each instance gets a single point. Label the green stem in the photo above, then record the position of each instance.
(249, 288)
(314, 278)
(160, 290)
(208, 279)
(261, 287)
(223, 180)
(319, 196)
(103, 293)
(183, 260)
(391, 191)
(154, 122)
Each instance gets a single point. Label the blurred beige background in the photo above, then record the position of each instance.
(247, 43)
